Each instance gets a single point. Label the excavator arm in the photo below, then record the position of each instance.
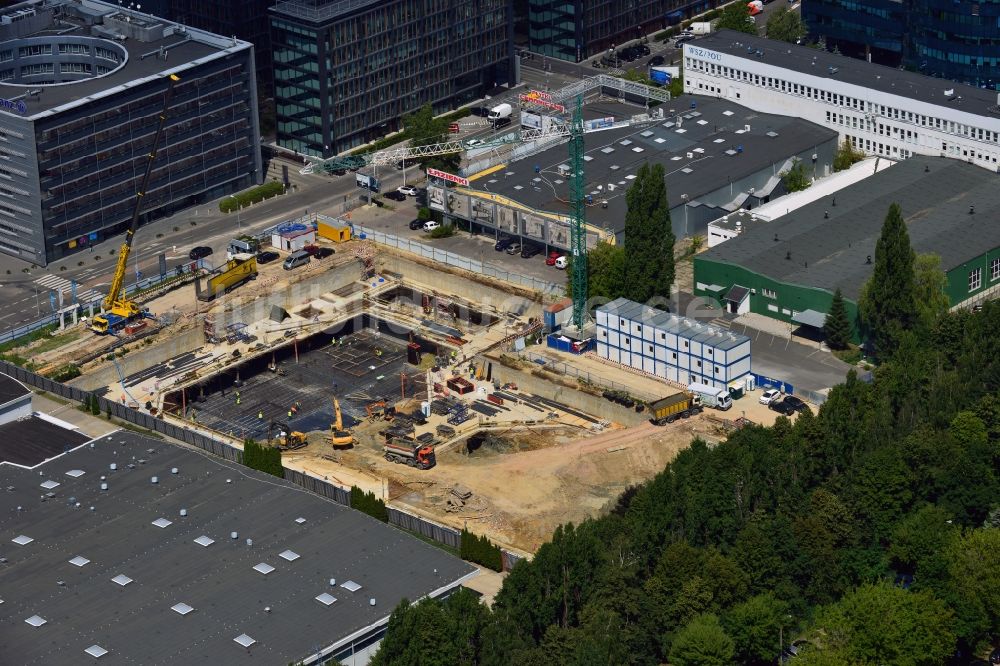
(116, 302)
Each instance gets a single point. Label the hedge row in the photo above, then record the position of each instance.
(480, 550)
(252, 196)
(263, 458)
(369, 503)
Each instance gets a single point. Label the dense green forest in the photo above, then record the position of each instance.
(868, 533)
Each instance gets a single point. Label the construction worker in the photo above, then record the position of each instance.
(237, 397)
(260, 414)
(289, 413)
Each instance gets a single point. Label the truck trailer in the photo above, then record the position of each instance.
(711, 396)
(241, 268)
(678, 406)
(411, 452)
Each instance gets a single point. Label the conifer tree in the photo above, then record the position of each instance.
(837, 326)
(888, 306)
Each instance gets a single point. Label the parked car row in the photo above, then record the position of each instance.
(513, 246)
(786, 405)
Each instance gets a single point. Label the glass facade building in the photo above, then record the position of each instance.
(951, 39)
(74, 150)
(346, 72)
(575, 30)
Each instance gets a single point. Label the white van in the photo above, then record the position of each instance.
(296, 259)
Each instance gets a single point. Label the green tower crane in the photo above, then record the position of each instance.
(578, 221)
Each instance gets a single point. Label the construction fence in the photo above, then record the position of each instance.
(427, 528)
(572, 371)
(456, 260)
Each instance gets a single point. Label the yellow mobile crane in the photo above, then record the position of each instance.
(117, 309)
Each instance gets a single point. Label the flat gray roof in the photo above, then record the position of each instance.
(691, 329)
(319, 11)
(142, 621)
(708, 131)
(808, 60)
(182, 50)
(935, 194)
(29, 442)
(10, 388)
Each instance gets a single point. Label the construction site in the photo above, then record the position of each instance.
(429, 385)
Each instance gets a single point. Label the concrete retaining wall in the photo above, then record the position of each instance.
(141, 357)
(585, 402)
(253, 306)
(444, 281)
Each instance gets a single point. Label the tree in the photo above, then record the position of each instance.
(649, 237)
(605, 271)
(736, 16)
(423, 129)
(795, 179)
(424, 214)
(888, 304)
(702, 642)
(786, 26)
(755, 626)
(974, 570)
(846, 156)
(929, 284)
(837, 326)
(883, 624)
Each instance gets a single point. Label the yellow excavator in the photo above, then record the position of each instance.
(339, 437)
(117, 309)
(287, 439)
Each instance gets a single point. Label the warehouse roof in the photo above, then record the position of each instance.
(257, 571)
(165, 48)
(684, 327)
(712, 131)
(827, 244)
(10, 389)
(815, 62)
(30, 441)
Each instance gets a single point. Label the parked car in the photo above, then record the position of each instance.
(551, 259)
(503, 243)
(472, 143)
(199, 252)
(514, 248)
(769, 396)
(266, 257)
(530, 250)
(324, 252)
(562, 262)
(657, 61)
(408, 190)
(643, 49)
(788, 406)
(416, 224)
(431, 225)
(683, 39)
(395, 196)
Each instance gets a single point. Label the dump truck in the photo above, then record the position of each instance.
(241, 268)
(711, 396)
(678, 406)
(411, 452)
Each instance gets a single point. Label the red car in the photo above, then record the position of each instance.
(551, 259)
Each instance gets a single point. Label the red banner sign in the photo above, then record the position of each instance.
(444, 175)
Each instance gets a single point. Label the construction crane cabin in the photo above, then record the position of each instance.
(117, 309)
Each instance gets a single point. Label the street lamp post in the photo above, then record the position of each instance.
(239, 225)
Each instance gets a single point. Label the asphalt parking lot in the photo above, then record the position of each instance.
(478, 247)
(804, 367)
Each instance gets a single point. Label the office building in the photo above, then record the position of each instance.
(347, 71)
(579, 29)
(881, 111)
(244, 19)
(956, 40)
(788, 268)
(82, 86)
(671, 347)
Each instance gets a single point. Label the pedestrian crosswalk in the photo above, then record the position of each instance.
(56, 283)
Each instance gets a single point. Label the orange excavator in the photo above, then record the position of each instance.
(339, 437)
(379, 410)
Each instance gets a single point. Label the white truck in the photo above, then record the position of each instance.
(712, 397)
(500, 114)
(702, 27)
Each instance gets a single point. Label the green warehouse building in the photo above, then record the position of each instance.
(788, 268)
